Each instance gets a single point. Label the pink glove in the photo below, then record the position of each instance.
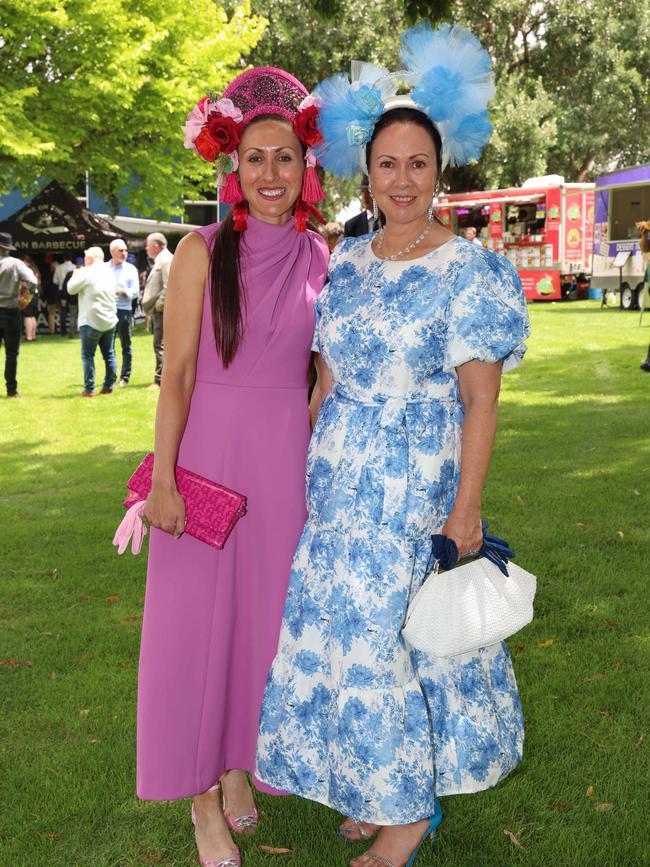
(131, 529)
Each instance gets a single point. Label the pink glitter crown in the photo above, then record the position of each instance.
(266, 90)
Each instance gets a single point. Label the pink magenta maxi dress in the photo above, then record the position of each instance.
(212, 618)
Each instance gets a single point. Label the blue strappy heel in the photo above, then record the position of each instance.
(431, 831)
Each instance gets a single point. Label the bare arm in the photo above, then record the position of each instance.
(479, 384)
(182, 325)
(322, 387)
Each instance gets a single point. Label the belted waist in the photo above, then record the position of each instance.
(393, 407)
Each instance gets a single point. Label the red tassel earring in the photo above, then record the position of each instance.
(312, 190)
(239, 215)
(231, 193)
(301, 215)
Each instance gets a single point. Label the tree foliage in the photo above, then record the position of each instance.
(573, 95)
(105, 86)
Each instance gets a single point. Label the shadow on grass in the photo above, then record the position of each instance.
(102, 464)
(141, 386)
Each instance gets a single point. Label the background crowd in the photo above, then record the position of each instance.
(89, 296)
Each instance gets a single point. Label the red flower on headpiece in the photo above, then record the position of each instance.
(207, 147)
(224, 131)
(304, 124)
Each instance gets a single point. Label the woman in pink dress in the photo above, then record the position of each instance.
(233, 407)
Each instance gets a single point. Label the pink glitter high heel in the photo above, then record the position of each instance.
(245, 825)
(232, 860)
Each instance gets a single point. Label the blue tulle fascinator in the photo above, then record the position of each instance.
(349, 109)
(452, 82)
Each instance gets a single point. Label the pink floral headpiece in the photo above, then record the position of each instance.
(214, 128)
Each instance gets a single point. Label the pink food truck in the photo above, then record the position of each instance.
(545, 228)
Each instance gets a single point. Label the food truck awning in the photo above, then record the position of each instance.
(475, 203)
(55, 221)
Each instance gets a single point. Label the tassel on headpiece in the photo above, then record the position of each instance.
(312, 190)
(301, 215)
(231, 193)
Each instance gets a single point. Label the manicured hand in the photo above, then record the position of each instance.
(166, 511)
(466, 531)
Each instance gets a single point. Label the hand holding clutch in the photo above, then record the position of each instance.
(211, 509)
(166, 511)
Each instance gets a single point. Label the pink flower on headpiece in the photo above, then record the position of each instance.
(309, 101)
(227, 108)
(195, 122)
(199, 117)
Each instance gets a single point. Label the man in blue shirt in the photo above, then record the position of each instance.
(127, 287)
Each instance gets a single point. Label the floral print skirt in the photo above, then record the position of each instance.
(353, 717)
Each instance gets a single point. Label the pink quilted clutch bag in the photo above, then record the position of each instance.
(211, 510)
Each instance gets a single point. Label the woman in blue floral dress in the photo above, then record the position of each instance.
(415, 327)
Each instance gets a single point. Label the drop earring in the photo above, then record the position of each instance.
(430, 208)
(375, 209)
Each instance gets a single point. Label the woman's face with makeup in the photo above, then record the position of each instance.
(271, 166)
(403, 172)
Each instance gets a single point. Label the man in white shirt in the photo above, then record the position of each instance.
(54, 306)
(153, 299)
(13, 272)
(95, 287)
(470, 235)
(127, 288)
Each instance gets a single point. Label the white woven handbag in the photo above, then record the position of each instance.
(471, 606)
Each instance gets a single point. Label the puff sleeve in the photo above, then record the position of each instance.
(486, 317)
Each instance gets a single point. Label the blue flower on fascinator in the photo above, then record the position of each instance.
(347, 116)
(464, 139)
(368, 109)
(346, 120)
(368, 100)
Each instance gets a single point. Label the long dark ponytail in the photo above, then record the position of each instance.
(226, 291)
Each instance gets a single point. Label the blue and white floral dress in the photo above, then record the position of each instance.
(353, 717)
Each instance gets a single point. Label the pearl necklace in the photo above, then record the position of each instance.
(380, 244)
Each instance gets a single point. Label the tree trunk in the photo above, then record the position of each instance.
(585, 170)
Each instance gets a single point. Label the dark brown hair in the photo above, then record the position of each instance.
(226, 291)
(407, 115)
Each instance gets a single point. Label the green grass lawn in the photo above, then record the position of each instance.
(569, 489)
